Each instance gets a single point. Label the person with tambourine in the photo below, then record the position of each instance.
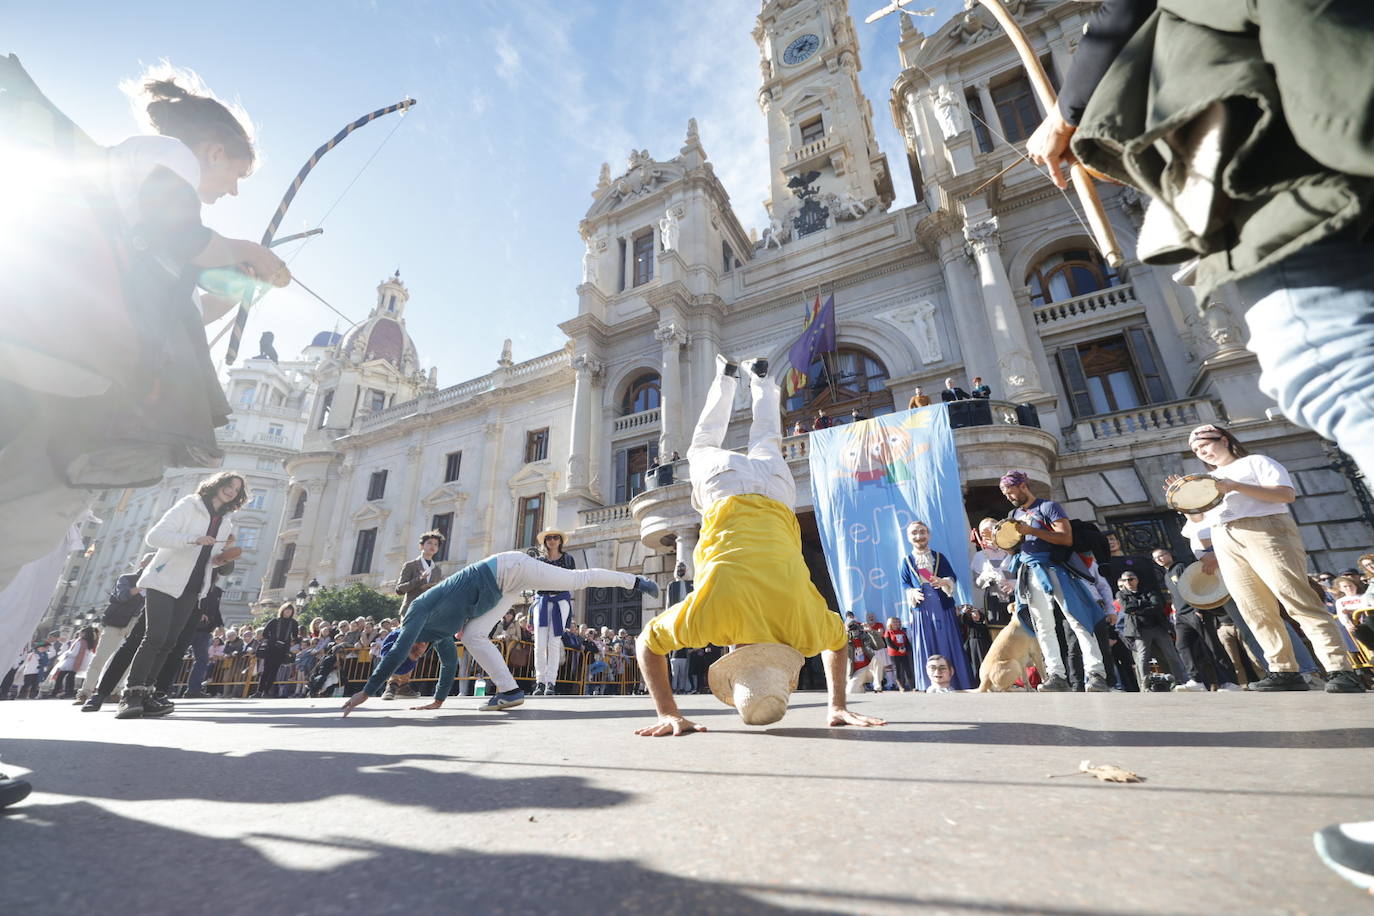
(105, 373)
(1262, 560)
(1050, 576)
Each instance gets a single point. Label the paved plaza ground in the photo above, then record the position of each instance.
(280, 806)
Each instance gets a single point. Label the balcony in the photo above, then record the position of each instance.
(1108, 304)
(604, 515)
(644, 421)
(1141, 424)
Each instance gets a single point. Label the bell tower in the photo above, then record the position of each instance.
(820, 125)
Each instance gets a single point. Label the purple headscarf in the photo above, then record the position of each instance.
(1014, 479)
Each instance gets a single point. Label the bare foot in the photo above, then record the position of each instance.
(670, 725)
(845, 717)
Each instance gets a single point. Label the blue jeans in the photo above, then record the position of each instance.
(1311, 324)
(200, 648)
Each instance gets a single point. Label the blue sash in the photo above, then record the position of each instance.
(548, 612)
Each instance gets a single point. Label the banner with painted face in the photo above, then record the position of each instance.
(869, 481)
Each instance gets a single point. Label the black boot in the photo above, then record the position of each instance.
(157, 704)
(94, 703)
(131, 703)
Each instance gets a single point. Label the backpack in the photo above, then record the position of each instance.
(1088, 538)
(873, 640)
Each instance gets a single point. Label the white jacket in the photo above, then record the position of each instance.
(174, 537)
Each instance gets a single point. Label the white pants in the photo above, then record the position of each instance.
(548, 649)
(1042, 615)
(868, 674)
(717, 473)
(111, 638)
(518, 572)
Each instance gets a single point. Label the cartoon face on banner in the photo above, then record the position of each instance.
(869, 481)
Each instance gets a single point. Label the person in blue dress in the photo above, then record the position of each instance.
(928, 579)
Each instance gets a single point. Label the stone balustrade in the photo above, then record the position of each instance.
(604, 515)
(635, 421)
(1140, 423)
(1113, 298)
(814, 148)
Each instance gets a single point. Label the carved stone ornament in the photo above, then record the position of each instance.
(589, 268)
(844, 206)
(670, 335)
(642, 176)
(949, 111)
(669, 229)
(919, 319)
(1018, 371)
(582, 363)
(982, 236)
(1221, 326)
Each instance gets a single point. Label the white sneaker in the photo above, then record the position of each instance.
(1230, 686)
(1191, 687)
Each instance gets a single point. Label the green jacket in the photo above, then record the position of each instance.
(1287, 87)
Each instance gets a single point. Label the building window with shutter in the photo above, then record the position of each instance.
(298, 511)
(453, 463)
(536, 445)
(632, 470)
(980, 122)
(1069, 273)
(376, 486)
(1016, 109)
(644, 257)
(641, 394)
(1114, 373)
(282, 568)
(529, 521)
(444, 525)
(362, 551)
(812, 130)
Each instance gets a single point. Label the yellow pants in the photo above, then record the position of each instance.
(752, 585)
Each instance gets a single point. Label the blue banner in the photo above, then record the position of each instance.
(871, 479)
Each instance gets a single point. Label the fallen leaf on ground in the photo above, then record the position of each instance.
(1108, 772)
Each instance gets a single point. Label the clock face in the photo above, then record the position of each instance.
(801, 49)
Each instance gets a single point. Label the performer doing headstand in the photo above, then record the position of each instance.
(469, 603)
(753, 590)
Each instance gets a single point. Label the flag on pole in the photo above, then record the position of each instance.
(818, 336)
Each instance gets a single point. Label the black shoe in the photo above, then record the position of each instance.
(157, 704)
(1349, 854)
(1344, 682)
(730, 368)
(758, 365)
(131, 703)
(197, 695)
(13, 790)
(538, 690)
(1280, 680)
(93, 704)
(1055, 683)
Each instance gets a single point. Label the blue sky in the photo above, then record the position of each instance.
(477, 195)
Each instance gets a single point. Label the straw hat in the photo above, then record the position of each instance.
(548, 532)
(757, 680)
(1201, 590)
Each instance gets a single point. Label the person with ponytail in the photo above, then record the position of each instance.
(105, 374)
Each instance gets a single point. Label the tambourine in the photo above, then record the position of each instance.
(1193, 493)
(1005, 535)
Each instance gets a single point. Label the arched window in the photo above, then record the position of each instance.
(841, 382)
(641, 394)
(1069, 273)
(298, 511)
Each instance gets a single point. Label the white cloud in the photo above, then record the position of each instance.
(508, 65)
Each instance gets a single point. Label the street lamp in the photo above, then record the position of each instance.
(302, 599)
(313, 588)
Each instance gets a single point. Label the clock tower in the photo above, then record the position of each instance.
(820, 125)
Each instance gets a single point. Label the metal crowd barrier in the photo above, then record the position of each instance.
(238, 676)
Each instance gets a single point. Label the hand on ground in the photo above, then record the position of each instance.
(354, 702)
(846, 717)
(670, 725)
(433, 705)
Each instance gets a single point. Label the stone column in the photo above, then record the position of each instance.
(672, 338)
(1016, 365)
(989, 110)
(686, 544)
(485, 536)
(579, 447)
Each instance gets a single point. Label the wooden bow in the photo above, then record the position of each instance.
(1082, 181)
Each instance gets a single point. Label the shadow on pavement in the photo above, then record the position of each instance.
(128, 866)
(133, 772)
